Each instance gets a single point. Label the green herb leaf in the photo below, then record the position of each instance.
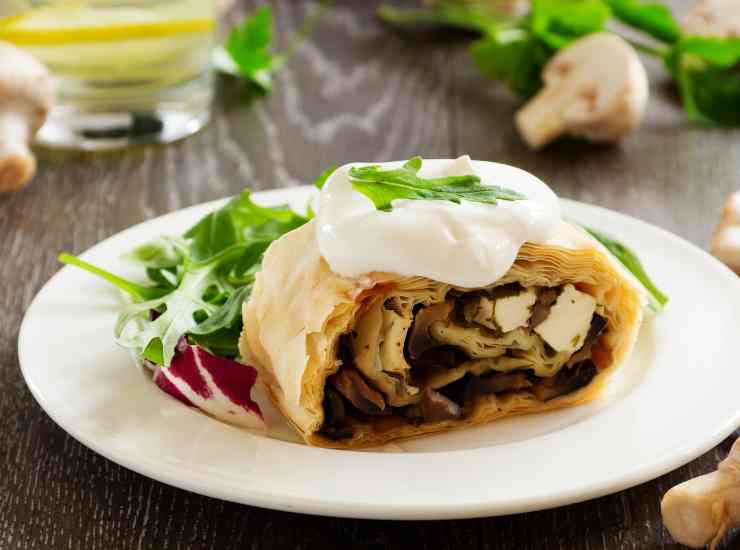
(384, 186)
(223, 342)
(202, 280)
(707, 70)
(135, 329)
(652, 18)
(321, 180)
(248, 48)
(457, 15)
(237, 222)
(629, 260)
(225, 316)
(558, 22)
(249, 45)
(135, 290)
(162, 252)
(514, 56)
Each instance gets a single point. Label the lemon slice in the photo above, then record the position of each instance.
(63, 25)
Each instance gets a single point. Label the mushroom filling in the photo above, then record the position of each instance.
(428, 362)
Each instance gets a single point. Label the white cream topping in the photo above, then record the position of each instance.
(467, 245)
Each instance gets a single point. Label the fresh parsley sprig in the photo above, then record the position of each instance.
(384, 186)
(248, 50)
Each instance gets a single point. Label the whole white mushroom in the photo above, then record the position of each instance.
(719, 18)
(725, 243)
(595, 88)
(26, 95)
(701, 510)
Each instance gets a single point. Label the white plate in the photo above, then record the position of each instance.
(675, 399)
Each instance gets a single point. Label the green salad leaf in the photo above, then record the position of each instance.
(652, 18)
(199, 281)
(321, 180)
(384, 186)
(625, 256)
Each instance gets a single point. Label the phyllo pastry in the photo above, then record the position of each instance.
(359, 359)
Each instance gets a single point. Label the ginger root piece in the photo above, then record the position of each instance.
(595, 88)
(720, 18)
(26, 95)
(701, 510)
(725, 244)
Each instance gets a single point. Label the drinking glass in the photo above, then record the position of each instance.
(125, 71)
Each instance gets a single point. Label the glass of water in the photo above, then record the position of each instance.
(125, 71)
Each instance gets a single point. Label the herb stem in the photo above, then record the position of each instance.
(304, 31)
(655, 51)
(137, 291)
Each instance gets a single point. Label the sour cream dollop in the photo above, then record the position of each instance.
(467, 245)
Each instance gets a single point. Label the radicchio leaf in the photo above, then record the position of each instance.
(218, 386)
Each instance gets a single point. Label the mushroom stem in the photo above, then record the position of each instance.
(17, 164)
(701, 510)
(540, 121)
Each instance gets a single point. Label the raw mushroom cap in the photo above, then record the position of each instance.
(595, 88)
(720, 18)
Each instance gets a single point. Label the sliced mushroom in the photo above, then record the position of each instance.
(541, 309)
(595, 88)
(720, 18)
(726, 239)
(350, 384)
(435, 406)
(598, 324)
(333, 408)
(419, 338)
(26, 96)
(566, 381)
(499, 383)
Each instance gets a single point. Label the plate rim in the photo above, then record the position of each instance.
(367, 510)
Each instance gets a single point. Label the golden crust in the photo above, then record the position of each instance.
(299, 308)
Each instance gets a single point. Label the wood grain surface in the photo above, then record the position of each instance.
(355, 91)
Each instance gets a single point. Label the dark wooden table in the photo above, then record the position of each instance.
(356, 91)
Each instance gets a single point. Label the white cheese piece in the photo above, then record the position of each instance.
(570, 318)
(513, 312)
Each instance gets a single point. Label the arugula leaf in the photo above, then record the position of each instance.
(135, 329)
(514, 56)
(237, 222)
(159, 253)
(657, 300)
(223, 342)
(249, 45)
(384, 186)
(652, 18)
(321, 180)
(227, 315)
(135, 290)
